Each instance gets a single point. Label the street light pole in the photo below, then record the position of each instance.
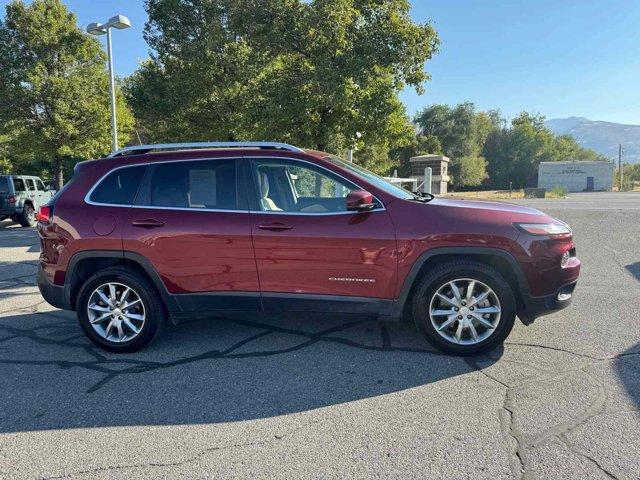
(112, 92)
(351, 148)
(120, 22)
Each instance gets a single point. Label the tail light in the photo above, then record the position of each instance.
(44, 214)
(11, 199)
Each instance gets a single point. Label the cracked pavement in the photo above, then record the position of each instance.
(314, 397)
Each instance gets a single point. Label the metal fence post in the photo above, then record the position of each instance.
(426, 186)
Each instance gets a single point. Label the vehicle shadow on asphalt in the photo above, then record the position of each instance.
(19, 235)
(626, 365)
(207, 371)
(634, 269)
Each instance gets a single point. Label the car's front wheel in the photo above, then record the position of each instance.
(464, 307)
(119, 310)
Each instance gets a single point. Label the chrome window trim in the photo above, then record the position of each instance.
(190, 209)
(194, 209)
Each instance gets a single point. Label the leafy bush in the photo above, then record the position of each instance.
(558, 191)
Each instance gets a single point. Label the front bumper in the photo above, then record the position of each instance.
(534, 307)
(53, 294)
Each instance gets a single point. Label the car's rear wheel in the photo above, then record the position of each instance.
(28, 217)
(119, 310)
(464, 307)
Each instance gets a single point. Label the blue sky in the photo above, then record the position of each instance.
(560, 58)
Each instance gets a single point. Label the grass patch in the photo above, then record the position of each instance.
(557, 192)
(489, 194)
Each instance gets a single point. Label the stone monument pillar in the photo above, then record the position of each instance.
(439, 167)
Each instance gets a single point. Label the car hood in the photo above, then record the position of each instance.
(484, 205)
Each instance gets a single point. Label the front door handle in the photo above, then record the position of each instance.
(147, 223)
(276, 226)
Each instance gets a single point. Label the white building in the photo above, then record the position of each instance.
(576, 176)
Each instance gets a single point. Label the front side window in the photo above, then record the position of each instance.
(206, 184)
(297, 187)
(119, 187)
(40, 185)
(372, 178)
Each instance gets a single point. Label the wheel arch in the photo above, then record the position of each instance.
(499, 259)
(85, 264)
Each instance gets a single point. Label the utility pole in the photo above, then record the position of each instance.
(619, 167)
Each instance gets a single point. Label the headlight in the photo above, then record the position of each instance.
(544, 228)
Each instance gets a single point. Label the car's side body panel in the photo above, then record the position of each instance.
(341, 254)
(195, 251)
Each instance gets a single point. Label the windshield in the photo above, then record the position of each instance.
(376, 180)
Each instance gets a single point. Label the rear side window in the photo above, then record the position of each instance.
(4, 185)
(18, 185)
(206, 184)
(31, 185)
(119, 187)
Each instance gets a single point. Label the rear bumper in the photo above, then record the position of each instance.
(53, 294)
(8, 212)
(534, 307)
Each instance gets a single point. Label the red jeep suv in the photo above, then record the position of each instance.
(175, 231)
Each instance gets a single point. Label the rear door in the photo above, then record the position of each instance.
(32, 193)
(306, 242)
(191, 222)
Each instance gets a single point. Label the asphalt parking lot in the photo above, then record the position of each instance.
(332, 398)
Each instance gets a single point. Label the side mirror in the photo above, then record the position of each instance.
(360, 200)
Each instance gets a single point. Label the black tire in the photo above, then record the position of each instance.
(28, 217)
(463, 269)
(153, 307)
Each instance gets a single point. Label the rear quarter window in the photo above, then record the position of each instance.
(119, 187)
(18, 185)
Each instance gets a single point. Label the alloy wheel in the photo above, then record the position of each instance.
(116, 312)
(464, 311)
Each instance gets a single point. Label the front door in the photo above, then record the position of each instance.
(42, 194)
(307, 243)
(191, 222)
(590, 184)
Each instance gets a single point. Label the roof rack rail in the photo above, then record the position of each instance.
(142, 149)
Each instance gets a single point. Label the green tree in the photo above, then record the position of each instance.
(462, 132)
(54, 89)
(311, 73)
(5, 166)
(419, 145)
(632, 172)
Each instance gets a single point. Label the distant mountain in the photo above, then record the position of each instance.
(603, 137)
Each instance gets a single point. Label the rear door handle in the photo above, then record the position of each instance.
(276, 227)
(147, 223)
